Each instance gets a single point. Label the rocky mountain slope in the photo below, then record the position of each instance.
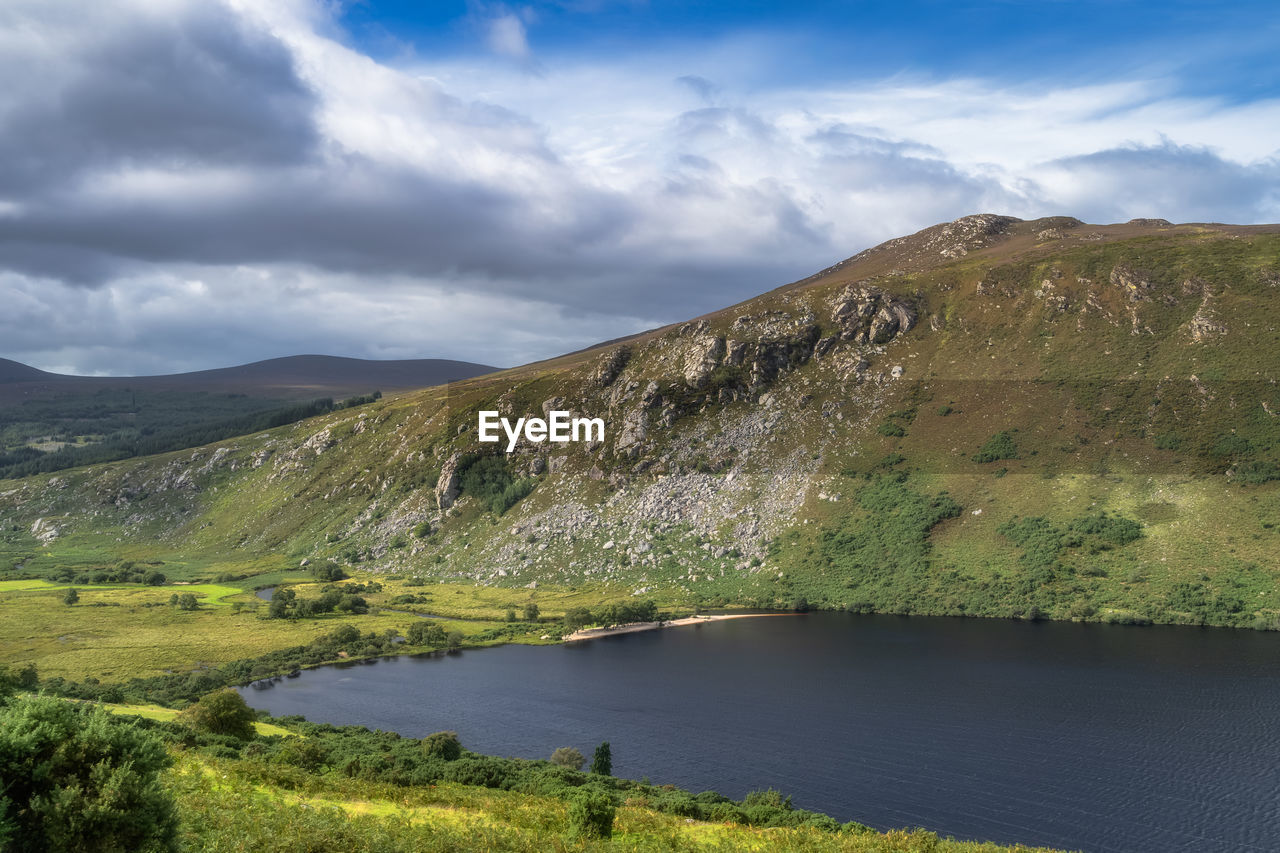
(990, 417)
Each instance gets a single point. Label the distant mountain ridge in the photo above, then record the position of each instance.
(298, 376)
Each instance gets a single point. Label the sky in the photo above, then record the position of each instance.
(188, 184)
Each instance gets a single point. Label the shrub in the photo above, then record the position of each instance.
(568, 756)
(442, 745)
(1112, 529)
(12, 680)
(591, 812)
(889, 428)
(999, 446)
(77, 778)
(1256, 473)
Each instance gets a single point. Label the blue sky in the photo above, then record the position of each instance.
(1222, 48)
(192, 183)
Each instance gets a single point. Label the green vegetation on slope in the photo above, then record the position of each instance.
(101, 785)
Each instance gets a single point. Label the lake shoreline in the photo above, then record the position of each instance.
(636, 627)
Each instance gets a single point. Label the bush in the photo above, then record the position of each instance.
(1256, 473)
(999, 446)
(568, 756)
(13, 680)
(221, 713)
(890, 429)
(591, 813)
(78, 778)
(442, 745)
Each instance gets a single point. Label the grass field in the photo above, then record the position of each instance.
(121, 631)
(229, 805)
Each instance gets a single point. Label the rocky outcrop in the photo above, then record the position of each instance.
(869, 315)
(703, 358)
(1205, 325)
(1132, 283)
(635, 428)
(610, 367)
(778, 355)
(447, 486)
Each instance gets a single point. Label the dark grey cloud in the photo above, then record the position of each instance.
(362, 216)
(193, 87)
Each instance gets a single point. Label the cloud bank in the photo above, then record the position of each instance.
(191, 184)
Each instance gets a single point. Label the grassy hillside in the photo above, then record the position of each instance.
(992, 417)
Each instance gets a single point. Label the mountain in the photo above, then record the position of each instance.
(996, 417)
(293, 377)
(16, 371)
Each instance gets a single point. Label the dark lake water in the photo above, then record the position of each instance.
(1101, 738)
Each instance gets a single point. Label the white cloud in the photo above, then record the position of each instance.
(329, 202)
(507, 36)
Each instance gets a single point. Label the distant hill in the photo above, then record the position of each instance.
(295, 377)
(49, 421)
(16, 371)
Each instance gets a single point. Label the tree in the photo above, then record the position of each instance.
(443, 745)
(426, 634)
(71, 597)
(531, 612)
(328, 572)
(602, 761)
(223, 712)
(154, 578)
(568, 756)
(186, 601)
(353, 604)
(591, 812)
(577, 618)
(13, 680)
(79, 778)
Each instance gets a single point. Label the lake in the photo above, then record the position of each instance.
(1094, 737)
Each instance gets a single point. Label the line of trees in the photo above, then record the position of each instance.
(612, 614)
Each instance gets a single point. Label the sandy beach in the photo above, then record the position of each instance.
(591, 633)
